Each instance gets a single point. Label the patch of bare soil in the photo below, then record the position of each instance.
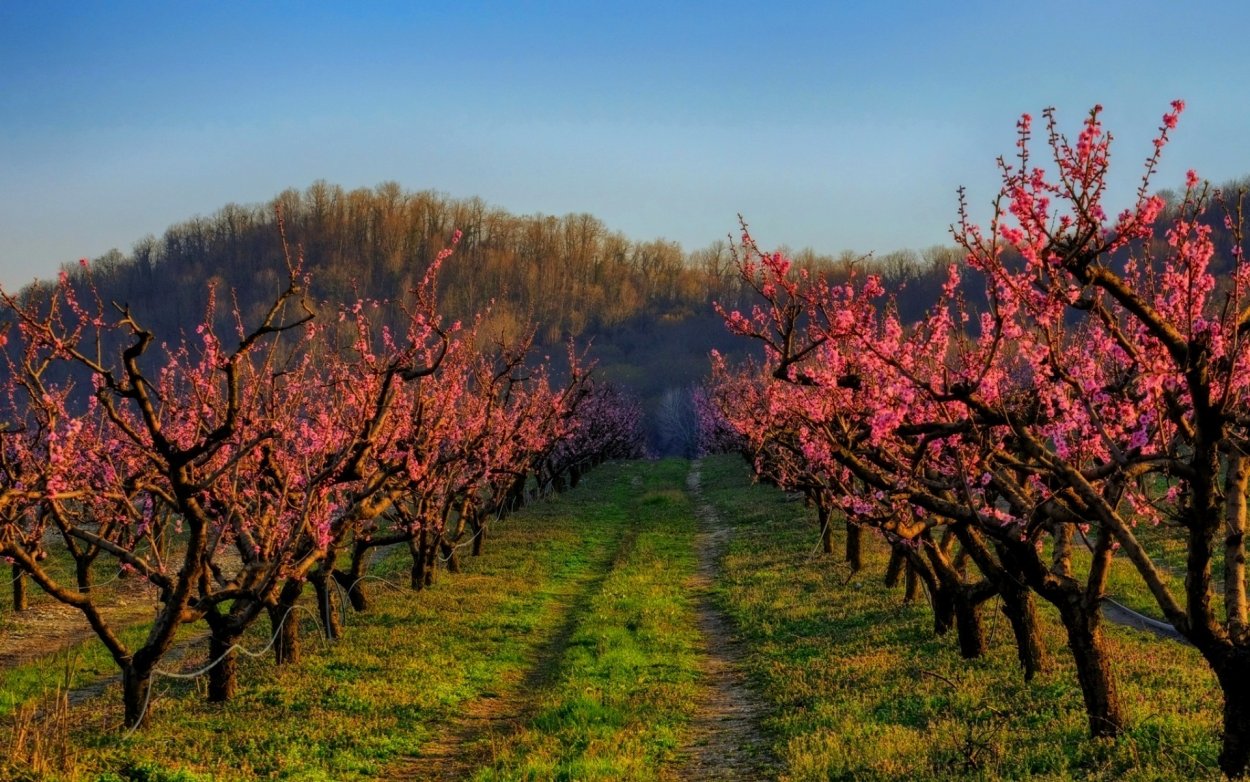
(47, 627)
(482, 726)
(728, 740)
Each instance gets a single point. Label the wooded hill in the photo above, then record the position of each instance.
(646, 307)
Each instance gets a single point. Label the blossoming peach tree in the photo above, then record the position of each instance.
(1101, 387)
(229, 472)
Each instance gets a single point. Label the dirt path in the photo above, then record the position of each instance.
(729, 743)
(481, 727)
(47, 627)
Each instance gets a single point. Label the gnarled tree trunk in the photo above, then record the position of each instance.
(1021, 611)
(417, 549)
(1093, 666)
(284, 624)
(1080, 611)
(1007, 577)
(1232, 670)
(353, 582)
(954, 601)
(450, 556)
(136, 691)
(894, 568)
(327, 603)
(968, 626)
(478, 527)
(224, 674)
(911, 586)
(854, 547)
(82, 573)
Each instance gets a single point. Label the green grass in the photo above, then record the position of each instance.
(623, 695)
(604, 569)
(581, 614)
(350, 709)
(862, 689)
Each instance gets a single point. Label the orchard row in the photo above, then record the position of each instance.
(1094, 401)
(235, 467)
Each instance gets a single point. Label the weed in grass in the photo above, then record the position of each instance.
(39, 743)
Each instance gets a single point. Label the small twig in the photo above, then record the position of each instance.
(936, 675)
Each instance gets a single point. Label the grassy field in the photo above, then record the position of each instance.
(570, 651)
(619, 705)
(861, 688)
(602, 566)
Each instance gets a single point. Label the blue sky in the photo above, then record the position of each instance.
(835, 126)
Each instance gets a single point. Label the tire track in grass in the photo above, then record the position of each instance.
(729, 742)
(482, 725)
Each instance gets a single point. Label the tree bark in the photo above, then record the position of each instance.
(943, 611)
(1080, 611)
(82, 574)
(416, 548)
(1006, 575)
(1021, 611)
(911, 586)
(895, 567)
(1093, 666)
(940, 598)
(1233, 673)
(327, 604)
(516, 494)
(223, 675)
(854, 547)
(1061, 561)
(1236, 483)
(284, 624)
(968, 626)
(479, 537)
(431, 561)
(136, 692)
(450, 556)
(355, 578)
(955, 603)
